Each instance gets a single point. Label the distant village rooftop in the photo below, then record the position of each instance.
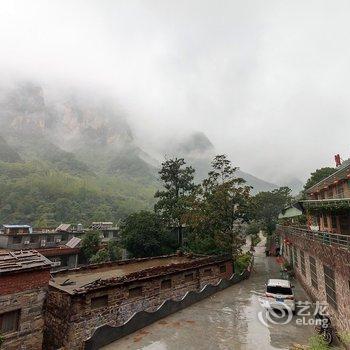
(22, 260)
(83, 279)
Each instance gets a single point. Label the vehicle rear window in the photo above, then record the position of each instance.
(279, 290)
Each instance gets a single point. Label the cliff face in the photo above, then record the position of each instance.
(82, 131)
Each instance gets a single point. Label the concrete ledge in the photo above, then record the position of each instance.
(106, 334)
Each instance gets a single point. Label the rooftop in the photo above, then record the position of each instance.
(343, 172)
(22, 260)
(84, 279)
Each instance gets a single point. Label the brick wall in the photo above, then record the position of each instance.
(29, 301)
(334, 257)
(16, 282)
(70, 319)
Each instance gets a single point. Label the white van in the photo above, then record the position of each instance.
(279, 294)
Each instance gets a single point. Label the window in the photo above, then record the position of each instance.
(188, 277)
(17, 240)
(9, 321)
(166, 284)
(313, 272)
(330, 286)
(340, 191)
(279, 290)
(222, 268)
(302, 263)
(325, 221)
(207, 272)
(49, 239)
(98, 302)
(295, 256)
(135, 292)
(334, 221)
(34, 239)
(330, 193)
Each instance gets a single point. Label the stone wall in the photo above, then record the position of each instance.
(25, 292)
(71, 319)
(337, 259)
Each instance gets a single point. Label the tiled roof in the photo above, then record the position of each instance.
(14, 261)
(342, 172)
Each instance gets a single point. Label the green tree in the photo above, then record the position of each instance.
(172, 205)
(267, 205)
(114, 250)
(100, 257)
(144, 234)
(318, 175)
(90, 244)
(218, 209)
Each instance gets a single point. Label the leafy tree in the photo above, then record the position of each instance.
(90, 244)
(100, 257)
(114, 251)
(267, 205)
(218, 209)
(144, 234)
(172, 205)
(253, 228)
(318, 175)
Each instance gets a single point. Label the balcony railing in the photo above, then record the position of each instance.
(327, 204)
(320, 236)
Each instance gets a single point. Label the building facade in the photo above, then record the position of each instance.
(24, 278)
(320, 251)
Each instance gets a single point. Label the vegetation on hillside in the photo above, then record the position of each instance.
(34, 193)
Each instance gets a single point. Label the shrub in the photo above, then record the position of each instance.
(317, 342)
(242, 262)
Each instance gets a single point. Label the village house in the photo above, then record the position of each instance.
(320, 251)
(24, 278)
(51, 243)
(82, 300)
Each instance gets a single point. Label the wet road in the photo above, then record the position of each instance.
(226, 320)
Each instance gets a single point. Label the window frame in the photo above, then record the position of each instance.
(313, 272)
(330, 287)
(17, 321)
(96, 300)
(302, 262)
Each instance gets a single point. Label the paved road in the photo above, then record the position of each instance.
(226, 320)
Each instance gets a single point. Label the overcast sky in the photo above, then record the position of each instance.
(266, 80)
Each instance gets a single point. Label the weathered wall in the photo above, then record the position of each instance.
(338, 260)
(70, 319)
(106, 334)
(24, 292)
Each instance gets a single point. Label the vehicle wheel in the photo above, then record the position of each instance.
(328, 337)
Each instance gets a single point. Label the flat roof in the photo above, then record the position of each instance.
(22, 260)
(79, 280)
(17, 226)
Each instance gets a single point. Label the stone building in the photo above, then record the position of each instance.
(320, 252)
(81, 300)
(24, 278)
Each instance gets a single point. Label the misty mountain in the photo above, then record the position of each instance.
(198, 151)
(294, 184)
(77, 151)
(7, 154)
